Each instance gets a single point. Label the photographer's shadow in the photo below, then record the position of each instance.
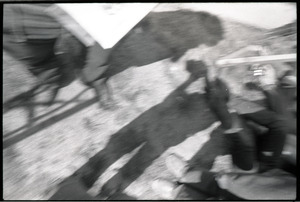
(162, 126)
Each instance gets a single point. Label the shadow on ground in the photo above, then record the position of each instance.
(162, 126)
(161, 35)
(158, 36)
(205, 157)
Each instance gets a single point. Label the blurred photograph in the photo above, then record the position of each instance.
(149, 101)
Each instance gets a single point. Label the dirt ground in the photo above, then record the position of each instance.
(157, 110)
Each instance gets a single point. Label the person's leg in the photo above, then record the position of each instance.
(103, 92)
(288, 160)
(72, 55)
(241, 143)
(270, 144)
(240, 139)
(243, 154)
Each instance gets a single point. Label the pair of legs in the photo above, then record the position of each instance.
(281, 130)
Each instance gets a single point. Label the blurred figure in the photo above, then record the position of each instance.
(30, 35)
(281, 97)
(50, 52)
(256, 153)
(269, 143)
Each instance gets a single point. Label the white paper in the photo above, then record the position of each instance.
(107, 23)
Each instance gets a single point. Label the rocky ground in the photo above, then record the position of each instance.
(152, 116)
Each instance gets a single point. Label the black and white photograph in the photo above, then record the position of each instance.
(149, 101)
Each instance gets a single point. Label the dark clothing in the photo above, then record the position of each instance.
(271, 141)
(282, 100)
(280, 122)
(217, 97)
(29, 22)
(37, 55)
(40, 59)
(30, 36)
(50, 52)
(244, 154)
(247, 145)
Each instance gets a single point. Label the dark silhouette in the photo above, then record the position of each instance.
(162, 126)
(161, 35)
